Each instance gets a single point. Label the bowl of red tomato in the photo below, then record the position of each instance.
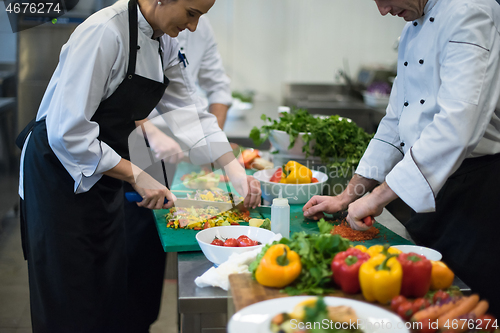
(218, 243)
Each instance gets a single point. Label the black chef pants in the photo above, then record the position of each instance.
(466, 225)
(145, 267)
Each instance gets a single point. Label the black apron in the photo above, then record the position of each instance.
(466, 225)
(75, 243)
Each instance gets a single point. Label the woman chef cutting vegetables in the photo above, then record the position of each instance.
(75, 157)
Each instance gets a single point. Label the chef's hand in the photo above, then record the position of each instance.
(369, 206)
(320, 204)
(246, 186)
(153, 193)
(361, 211)
(252, 199)
(166, 148)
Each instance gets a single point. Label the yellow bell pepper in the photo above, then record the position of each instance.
(278, 267)
(377, 249)
(380, 278)
(441, 276)
(295, 173)
(362, 248)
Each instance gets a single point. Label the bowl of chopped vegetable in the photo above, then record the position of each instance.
(205, 179)
(296, 193)
(218, 243)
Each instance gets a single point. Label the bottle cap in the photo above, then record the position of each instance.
(280, 201)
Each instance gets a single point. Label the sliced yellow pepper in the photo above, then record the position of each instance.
(296, 173)
(278, 267)
(380, 278)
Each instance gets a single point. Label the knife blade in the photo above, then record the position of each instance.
(182, 202)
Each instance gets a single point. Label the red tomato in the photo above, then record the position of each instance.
(486, 322)
(242, 237)
(314, 180)
(217, 242)
(244, 242)
(405, 310)
(231, 242)
(440, 295)
(396, 301)
(420, 304)
(256, 243)
(276, 177)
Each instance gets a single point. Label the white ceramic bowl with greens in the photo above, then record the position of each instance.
(281, 141)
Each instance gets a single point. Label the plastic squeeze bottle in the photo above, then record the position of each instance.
(280, 216)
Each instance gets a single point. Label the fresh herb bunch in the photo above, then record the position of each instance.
(316, 253)
(339, 142)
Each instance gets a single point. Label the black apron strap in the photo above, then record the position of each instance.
(132, 17)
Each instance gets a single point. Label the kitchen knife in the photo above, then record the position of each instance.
(186, 203)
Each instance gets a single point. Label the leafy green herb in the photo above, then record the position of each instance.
(339, 142)
(266, 224)
(253, 266)
(246, 97)
(324, 227)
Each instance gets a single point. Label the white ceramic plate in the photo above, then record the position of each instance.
(257, 317)
(425, 251)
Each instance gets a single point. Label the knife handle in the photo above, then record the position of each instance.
(136, 197)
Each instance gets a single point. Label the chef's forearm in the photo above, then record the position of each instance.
(356, 188)
(219, 111)
(124, 170)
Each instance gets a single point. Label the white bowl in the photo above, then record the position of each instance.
(425, 251)
(296, 193)
(281, 141)
(219, 254)
(238, 109)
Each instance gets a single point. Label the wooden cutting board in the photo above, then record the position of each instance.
(246, 291)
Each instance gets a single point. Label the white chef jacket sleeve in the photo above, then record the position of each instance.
(211, 77)
(466, 100)
(85, 65)
(186, 115)
(383, 151)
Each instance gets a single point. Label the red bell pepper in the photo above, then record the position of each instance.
(345, 268)
(276, 177)
(416, 274)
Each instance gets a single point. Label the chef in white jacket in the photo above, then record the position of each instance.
(75, 157)
(206, 68)
(438, 147)
(145, 255)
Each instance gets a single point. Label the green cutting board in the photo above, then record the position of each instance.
(181, 240)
